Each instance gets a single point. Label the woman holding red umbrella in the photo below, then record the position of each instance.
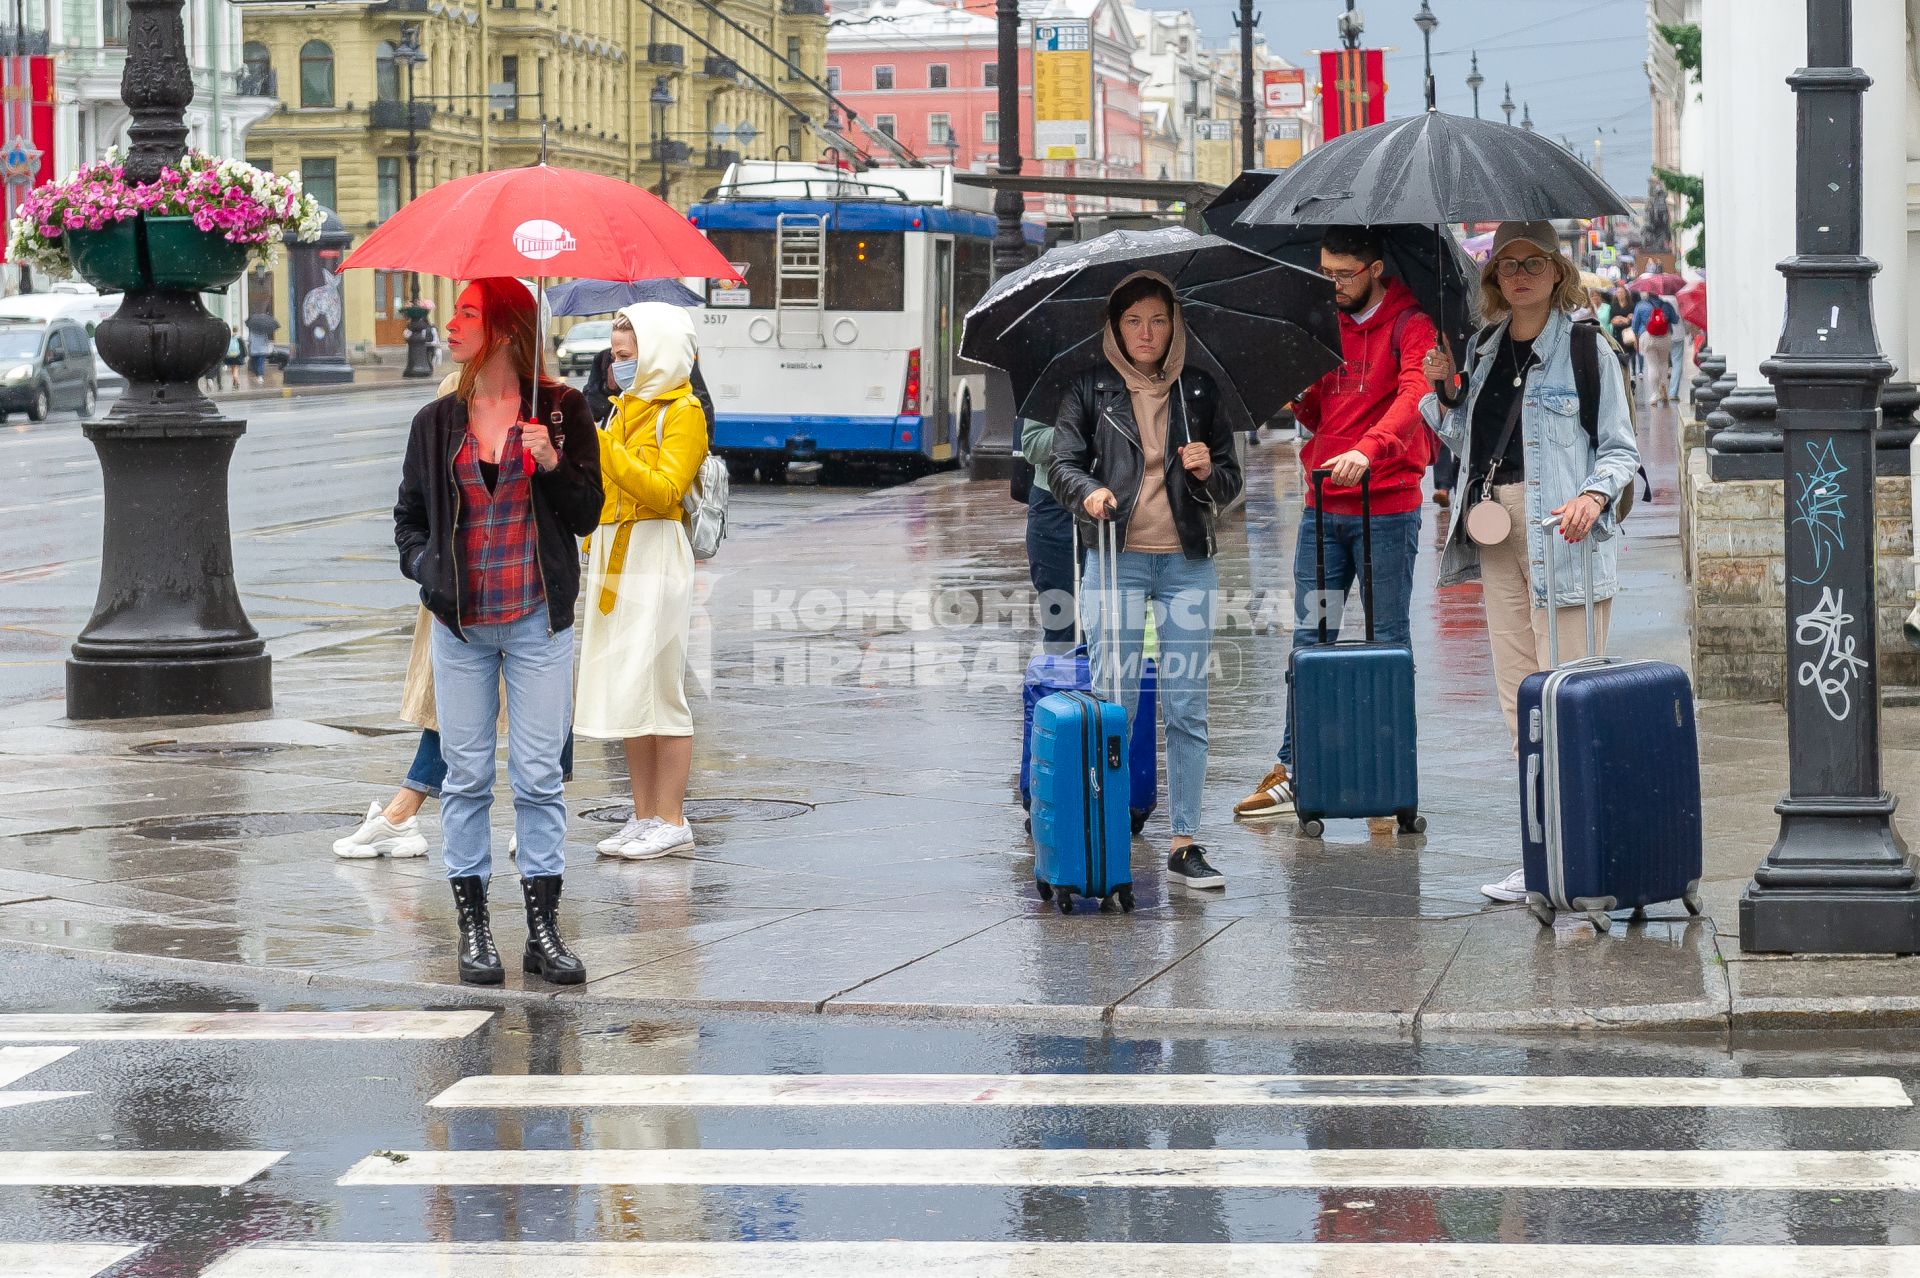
(501, 479)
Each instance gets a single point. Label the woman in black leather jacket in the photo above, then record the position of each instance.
(1138, 443)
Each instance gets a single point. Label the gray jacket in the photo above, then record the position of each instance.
(1036, 445)
(1562, 462)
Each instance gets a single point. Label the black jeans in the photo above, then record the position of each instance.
(1050, 563)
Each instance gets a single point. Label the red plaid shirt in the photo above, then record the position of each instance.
(499, 549)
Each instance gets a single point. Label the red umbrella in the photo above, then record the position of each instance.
(1665, 283)
(541, 221)
(1692, 301)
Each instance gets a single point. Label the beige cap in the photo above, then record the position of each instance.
(1538, 234)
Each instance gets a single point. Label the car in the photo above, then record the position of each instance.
(582, 344)
(46, 367)
(69, 299)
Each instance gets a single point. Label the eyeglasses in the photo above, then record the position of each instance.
(1512, 266)
(1345, 277)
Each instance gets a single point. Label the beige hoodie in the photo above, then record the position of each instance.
(1151, 529)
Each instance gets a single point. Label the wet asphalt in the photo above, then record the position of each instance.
(331, 1104)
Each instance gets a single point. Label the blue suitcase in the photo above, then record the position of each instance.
(1609, 782)
(1082, 843)
(1355, 734)
(1073, 672)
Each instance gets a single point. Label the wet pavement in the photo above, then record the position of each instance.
(860, 850)
(230, 1126)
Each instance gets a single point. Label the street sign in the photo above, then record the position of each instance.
(1282, 141)
(502, 95)
(1063, 89)
(1286, 89)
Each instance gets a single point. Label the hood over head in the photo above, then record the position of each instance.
(1137, 381)
(665, 346)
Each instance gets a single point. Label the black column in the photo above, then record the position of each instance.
(168, 635)
(1839, 879)
(992, 447)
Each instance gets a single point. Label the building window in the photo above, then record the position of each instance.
(386, 76)
(793, 58)
(833, 79)
(256, 76)
(262, 162)
(990, 75)
(990, 127)
(316, 74)
(884, 123)
(115, 17)
(510, 76)
(939, 128)
(317, 179)
(937, 76)
(389, 166)
(883, 78)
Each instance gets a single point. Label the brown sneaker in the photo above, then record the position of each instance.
(1273, 796)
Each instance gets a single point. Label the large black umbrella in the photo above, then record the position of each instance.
(1425, 257)
(1264, 329)
(1433, 168)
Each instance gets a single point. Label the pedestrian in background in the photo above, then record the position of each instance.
(633, 646)
(1365, 420)
(1139, 441)
(261, 326)
(492, 499)
(1517, 430)
(1656, 348)
(1049, 539)
(236, 357)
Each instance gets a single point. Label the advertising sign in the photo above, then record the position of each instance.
(1283, 140)
(1286, 90)
(1353, 91)
(26, 145)
(1063, 89)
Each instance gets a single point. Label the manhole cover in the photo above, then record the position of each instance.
(209, 749)
(712, 810)
(246, 825)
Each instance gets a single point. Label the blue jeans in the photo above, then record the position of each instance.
(538, 669)
(1183, 593)
(1050, 562)
(429, 770)
(1679, 364)
(1396, 545)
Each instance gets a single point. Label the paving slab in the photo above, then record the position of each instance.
(1839, 991)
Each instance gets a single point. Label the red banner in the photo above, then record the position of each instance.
(1353, 90)
(26, 128)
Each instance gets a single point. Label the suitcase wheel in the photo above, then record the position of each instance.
(1029, 827)
(1120, 899)
(1692, 901)
(1313, 828)
(1539, 908)
(1044, 888)
(1063, 897)
(1601, 920)
(1413, 823)
(1139, 820)
(1126, 898)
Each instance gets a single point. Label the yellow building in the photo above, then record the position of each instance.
(494, 80)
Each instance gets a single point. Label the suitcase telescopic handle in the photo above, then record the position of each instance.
(1320, 477)
(1548, 527)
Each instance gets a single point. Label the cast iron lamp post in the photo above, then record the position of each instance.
(419, 333)
(661, 98)
(1839, 878)
(1474, 81)
(168, 635)
(1427, 22)
(1506, 103)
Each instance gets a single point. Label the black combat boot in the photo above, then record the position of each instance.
(547, 955)
(479, 960)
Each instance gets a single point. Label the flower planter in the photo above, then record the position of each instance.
(176, 255)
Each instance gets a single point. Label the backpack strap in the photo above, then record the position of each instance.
(1586, 377)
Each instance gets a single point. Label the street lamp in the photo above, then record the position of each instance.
(661, 98)
(1474, 81)
(1839, 878)
(1506, 103)
(1526, 117)
(409, 54)
(1427, 22)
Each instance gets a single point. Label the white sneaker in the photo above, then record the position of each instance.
(633, 829)
(659, 841)
(513, 846)
(378, 836)
(1511, 888)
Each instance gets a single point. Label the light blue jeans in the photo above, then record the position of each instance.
(1183, 593)
(538, 670)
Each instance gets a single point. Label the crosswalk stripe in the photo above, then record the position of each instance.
(1157, 1168)
(1049, 1260)
(96, 1026)
(60, 1260)
(18, 1062)
(215, 1167)
(1184, 1090)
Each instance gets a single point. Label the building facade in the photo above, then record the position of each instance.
(663, 94)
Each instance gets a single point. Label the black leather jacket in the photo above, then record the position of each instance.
(1097, 445)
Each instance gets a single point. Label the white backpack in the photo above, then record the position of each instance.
(706, 501)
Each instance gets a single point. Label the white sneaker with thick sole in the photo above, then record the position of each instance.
(635, 828)
(659, 841)
(378, 836)
(1511, 888)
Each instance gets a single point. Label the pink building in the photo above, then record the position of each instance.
(925, 72)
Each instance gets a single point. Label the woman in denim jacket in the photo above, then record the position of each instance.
(1545, 464)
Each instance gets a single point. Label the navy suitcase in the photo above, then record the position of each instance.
(1609, 782)
(1082, 840)
(1355, 734)
(1073, 672)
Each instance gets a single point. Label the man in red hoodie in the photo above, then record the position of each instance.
(1365, 420)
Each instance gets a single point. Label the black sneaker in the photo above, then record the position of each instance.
(1189, 865)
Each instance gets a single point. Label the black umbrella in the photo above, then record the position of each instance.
(1425, 257)
(1432, 168)
(1264, 329)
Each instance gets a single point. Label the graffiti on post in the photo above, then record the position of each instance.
(1832, 667)
(1820, 507)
